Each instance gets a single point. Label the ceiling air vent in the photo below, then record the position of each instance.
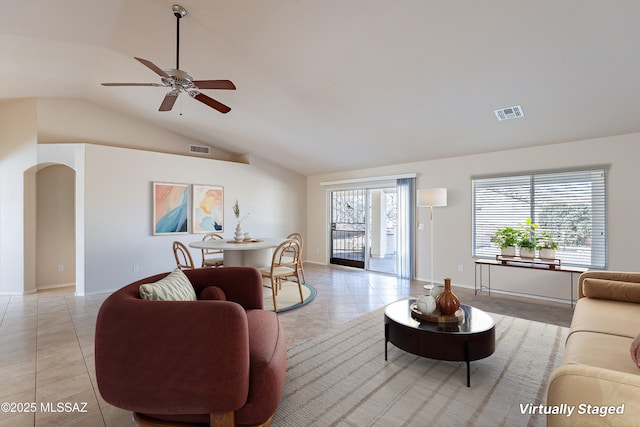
(199, 149)
(509, 113)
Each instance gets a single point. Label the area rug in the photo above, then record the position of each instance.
(288, 297)
(341, 379)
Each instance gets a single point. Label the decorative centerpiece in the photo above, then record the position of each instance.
(430, 308)
(436, 290)
(447, 303)
(426, 304)
(240, 235)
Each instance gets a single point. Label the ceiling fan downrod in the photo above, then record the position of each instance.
(178, 12)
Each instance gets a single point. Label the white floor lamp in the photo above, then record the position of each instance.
(430, 198)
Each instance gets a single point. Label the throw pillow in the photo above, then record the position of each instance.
(635, 350)
(213, 293)
(611, 289)
(174, 287)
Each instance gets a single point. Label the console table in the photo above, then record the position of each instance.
(521, 263)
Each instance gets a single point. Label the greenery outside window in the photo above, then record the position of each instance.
(571, 205)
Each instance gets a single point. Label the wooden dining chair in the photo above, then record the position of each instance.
(182, 256)
(282, 266)
(298, 238)
(212, 257)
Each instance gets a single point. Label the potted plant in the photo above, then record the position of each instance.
(527, 246)
(528, 240)
(547, 246)
(506, 238)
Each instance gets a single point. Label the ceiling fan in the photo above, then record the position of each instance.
(180, 81)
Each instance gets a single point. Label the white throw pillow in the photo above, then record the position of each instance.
(174, 287)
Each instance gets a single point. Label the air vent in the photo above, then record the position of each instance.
(509, 113)
(199, 149)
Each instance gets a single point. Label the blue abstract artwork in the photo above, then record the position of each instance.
(170, 208)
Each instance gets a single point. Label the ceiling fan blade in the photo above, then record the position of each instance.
(131, 84)
(214, 84)
(210, 102)
(159, 71)
(168, 101)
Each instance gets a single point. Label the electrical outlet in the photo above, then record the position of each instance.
(60, 267)
(135, 269)
(460, 268)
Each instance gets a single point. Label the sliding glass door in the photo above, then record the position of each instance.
(382, 237)
(363, 228)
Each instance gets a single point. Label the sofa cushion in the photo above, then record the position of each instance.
(601, 351)
(213, 293)
(174, 287)
(611, 289)
(606, 317)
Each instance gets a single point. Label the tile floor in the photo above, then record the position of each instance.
(46, 340)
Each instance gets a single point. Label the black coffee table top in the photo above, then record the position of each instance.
(471, 339)
(475, 320)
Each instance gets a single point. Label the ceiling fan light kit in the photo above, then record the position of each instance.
(180, 81)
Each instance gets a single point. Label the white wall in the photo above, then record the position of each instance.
(118, 208)
(75, 120)
(453, 223)
(18, 133)
(113, 193)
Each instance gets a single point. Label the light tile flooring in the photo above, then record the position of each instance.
(46, 340)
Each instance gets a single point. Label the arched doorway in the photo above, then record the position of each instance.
(55, 235)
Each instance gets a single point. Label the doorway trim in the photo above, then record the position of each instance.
(358, 183)
(71, 155)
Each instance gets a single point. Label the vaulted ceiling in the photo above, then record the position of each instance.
(333, 85)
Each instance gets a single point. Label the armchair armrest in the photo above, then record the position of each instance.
(576, 385)
(172, 357)
(613, 285)
(240, 284)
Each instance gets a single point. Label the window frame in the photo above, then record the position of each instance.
(598, 208)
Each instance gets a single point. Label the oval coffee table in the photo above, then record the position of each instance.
(473, 338)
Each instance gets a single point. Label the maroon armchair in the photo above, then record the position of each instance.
(214, 362)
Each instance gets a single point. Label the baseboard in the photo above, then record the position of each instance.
(17, 293)
(523, 295)
(439, 282)
(503, 292)
(101, 292)
(55, 286)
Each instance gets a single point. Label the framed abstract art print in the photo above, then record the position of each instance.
(170, 208)
(208, 208)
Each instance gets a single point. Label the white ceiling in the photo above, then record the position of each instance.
(335, 85)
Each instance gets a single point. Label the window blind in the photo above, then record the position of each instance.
(571, 205)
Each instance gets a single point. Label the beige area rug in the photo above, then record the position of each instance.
(341, 379)
(288, 297)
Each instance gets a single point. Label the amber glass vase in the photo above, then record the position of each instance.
(448, 303)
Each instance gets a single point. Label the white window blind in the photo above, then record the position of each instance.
(571, 205)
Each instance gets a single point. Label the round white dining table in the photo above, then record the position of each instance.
(254, 253)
